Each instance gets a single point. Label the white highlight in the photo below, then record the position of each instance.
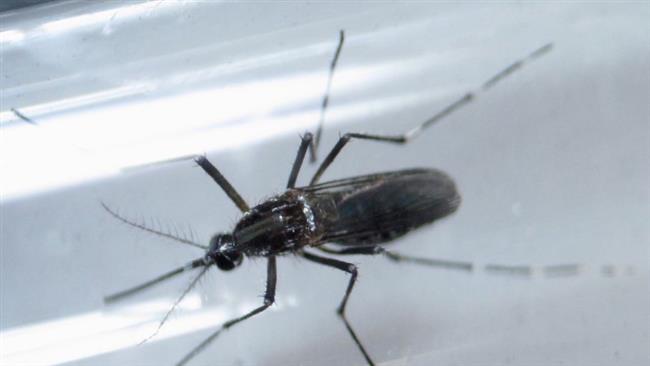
(75, 102)
(11, 36)
(97, 142)
(90, 334)
(105, 16)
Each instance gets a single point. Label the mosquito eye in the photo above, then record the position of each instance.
(224, 263)
(228, 262)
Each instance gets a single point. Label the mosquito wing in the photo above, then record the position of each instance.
(378, 208)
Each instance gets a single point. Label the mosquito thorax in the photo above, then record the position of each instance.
(222, 252)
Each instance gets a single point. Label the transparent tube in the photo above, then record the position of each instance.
(552, 166)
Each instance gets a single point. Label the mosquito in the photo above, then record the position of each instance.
(351, 216)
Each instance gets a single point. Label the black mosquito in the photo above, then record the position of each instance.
(342, 217)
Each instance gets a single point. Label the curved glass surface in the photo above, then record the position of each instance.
(552, 165)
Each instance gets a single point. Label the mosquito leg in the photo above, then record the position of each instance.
(326, 97)
(555, 270)
(300, 157)
(376, 249)
(352, 270)
(269, 298)
(122, 294)
(178, 301)
(213, 172)
(343, 140)
(23, 117)
(446, 111)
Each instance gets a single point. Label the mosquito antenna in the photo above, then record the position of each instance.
(326, 97)
(187, 290)
(122, 294)
(472, 95)
(150, 230)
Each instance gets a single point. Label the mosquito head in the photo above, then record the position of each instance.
(223, 253)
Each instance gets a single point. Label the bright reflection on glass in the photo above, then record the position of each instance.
(90, 334)
(101, 141)
(76, 102)
(105, 16)
(11, 36)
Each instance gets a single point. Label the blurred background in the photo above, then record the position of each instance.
(552, 165)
